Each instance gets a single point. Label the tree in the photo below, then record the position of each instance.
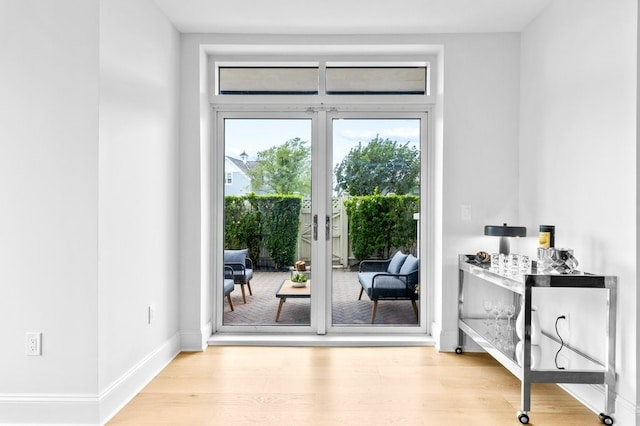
(284, 169)
(382, 166)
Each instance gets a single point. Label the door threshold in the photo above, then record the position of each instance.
(250, 339)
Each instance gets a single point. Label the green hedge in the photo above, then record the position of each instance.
(379, 223)
(280, 225)
(242, 225)
(271, 221)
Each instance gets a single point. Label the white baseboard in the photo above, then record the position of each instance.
(592, 396)
(196, 341)
(446, 341)
(42, 409)
(87, 409)
(121, 391)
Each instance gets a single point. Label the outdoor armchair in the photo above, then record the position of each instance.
(242, 269)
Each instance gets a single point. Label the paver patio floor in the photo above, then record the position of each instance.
(261, 308)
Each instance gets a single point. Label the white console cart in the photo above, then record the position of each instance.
(582, 368)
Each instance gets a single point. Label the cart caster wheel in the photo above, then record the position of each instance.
(605, 419)
(523, 418)
(459, 350)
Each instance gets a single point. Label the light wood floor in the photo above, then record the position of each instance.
(342, 386)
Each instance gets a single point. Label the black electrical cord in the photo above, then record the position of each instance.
(561, 342)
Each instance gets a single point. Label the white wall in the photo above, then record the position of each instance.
(578, 158)
(195, 314)
(481, 93)
(138, 192)
(89, 217)
(49, 215)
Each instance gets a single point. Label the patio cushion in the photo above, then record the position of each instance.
(410, 265)
(396, 263)
(382, 285)
(243, 275)
(235, 256)
(365, 278)
(248, 274)
(228, 286)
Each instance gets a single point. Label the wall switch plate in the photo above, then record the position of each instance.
(33, 344)
(465, 212)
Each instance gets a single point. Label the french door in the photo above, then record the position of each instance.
(301, 187)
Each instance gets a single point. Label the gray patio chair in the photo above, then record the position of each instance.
(242, 269)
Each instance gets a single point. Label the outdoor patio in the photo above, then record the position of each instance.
(261, 308)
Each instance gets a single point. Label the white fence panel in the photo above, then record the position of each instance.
(339, 232)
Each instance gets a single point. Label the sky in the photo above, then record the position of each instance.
(254, 135)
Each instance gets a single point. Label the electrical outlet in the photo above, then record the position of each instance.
(152, 313)
(33, 344)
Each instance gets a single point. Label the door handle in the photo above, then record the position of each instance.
(315, 227)
(327, 227)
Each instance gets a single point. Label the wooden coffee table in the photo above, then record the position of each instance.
(287, 290)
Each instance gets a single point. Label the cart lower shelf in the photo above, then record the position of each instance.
(549, 362)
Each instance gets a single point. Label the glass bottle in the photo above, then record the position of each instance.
(547, 237)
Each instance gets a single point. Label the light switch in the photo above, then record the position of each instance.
(465, 212)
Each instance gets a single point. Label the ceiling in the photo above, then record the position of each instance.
(350, 16)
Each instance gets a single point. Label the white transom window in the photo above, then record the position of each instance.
(328, 78)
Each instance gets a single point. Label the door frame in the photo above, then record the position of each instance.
(425, 315)
(319, 113)
(217, 203)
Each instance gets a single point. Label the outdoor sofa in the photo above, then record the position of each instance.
(391, 279)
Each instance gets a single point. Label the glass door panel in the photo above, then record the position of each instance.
(267, 221)
(376, 206)
(365, 207)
